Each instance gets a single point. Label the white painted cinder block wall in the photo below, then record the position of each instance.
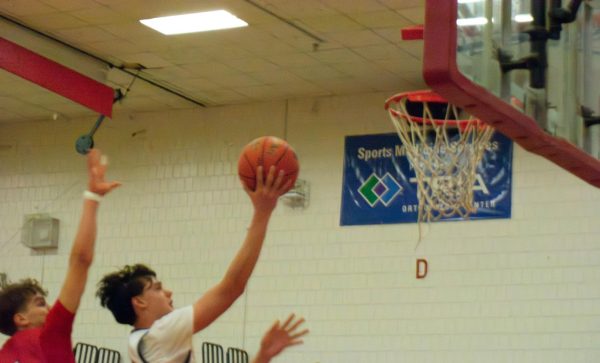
(525, 289)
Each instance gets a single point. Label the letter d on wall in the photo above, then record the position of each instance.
(421, 268)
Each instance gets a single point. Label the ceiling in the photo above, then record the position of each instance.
(291, 49)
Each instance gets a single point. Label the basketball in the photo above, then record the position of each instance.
(267, 151)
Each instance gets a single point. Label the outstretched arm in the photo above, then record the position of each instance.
(278, 338)
(82, 252)
(219, 298)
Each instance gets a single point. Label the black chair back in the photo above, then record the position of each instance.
(235, 355)
(85, 353)
(106, 355)
(212, 353)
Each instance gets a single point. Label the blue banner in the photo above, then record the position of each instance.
(379, 184)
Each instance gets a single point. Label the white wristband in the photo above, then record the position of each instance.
(92, 196)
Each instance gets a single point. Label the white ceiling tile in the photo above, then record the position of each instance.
(22, 108)
(71, 109)
(186, 56)
(275, 77)
(7, 116)
(392, 34)
(252, 65)
(261, 92)
(101, 15)
(247, 12)
(355, 69)
(382, 81)
(82, 35)
(169, 72)
(128, 29)
(319, 72)
(384, 51)
(293, 60)
(209, 69)
(303, 87)
(238, 80)
(354, 6)
(172, 101)
(341, 86)
(417, 82)
(199, 84)
(336, 56)
(143, 9)
(53, 21)
(157, 44)
(381, 19)
(402, 4)
(222, 96)
(416, 15)
(12, 85)
(357, 38)
(331, 23)
(266, 48)
(294, 9)
(144, 104)
(291, 36)
(225, 53)
(68, 5)
(401, 66)
(299, 89)
(148, 60)
(413, 47)
(117, 48)
(25, 7)
(118, 77)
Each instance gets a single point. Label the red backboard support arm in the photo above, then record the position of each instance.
(441, 73)
(56, 77)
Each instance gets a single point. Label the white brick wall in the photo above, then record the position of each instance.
(520, 290)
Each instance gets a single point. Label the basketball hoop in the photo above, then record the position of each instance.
(444, 146)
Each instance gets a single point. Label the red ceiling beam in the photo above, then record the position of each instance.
(56, 77)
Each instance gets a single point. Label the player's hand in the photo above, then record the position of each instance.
(97, 165)
(280, 337)
(264, 197)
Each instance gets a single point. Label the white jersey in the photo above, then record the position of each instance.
(168, 340)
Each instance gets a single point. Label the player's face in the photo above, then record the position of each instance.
(158, 298)
(34, 314)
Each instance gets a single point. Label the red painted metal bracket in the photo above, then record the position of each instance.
(56, 77)
(441, 73)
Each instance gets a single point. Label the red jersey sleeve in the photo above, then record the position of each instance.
(55, 338)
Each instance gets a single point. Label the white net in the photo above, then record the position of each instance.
(444, 147)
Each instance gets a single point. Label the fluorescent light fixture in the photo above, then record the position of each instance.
(523, 18)
(195, 22)
(471, 21)
(469, 1)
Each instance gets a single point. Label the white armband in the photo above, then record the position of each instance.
(92, 196)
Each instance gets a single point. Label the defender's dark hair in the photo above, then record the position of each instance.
(116, 289)
(13, 298)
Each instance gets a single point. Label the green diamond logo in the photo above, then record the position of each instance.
(366, 190)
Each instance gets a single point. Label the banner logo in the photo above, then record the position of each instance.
(376, 189)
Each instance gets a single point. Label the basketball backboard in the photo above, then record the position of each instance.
(531, 68)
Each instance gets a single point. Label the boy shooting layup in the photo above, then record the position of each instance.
(40, 334)
(163, 334)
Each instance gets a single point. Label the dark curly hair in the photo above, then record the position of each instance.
(13, 298)
(116, 289)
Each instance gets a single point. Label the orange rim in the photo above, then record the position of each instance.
(427, 96)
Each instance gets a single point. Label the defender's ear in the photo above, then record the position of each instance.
(20, 320)
(138, 302)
